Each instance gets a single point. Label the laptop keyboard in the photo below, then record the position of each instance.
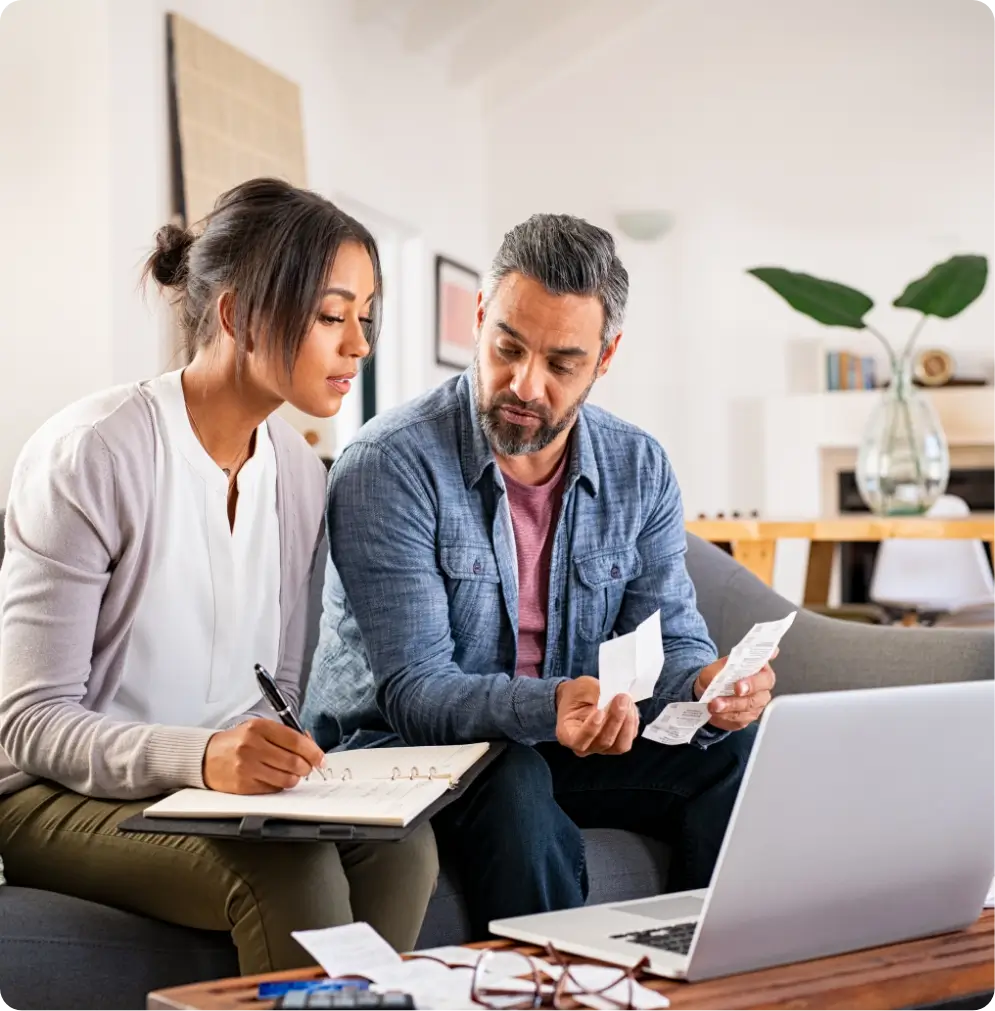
(676, 938)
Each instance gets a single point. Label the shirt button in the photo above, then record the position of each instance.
(616, 572)
(477, 567)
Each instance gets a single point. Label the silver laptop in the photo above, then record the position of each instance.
(864, 818)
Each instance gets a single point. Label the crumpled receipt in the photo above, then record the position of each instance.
(680, 721)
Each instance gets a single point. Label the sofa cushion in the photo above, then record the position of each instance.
(61, 952)
(621, 865)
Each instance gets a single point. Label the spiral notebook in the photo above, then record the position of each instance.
(387, 787)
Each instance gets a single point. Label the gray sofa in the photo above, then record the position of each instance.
(62, 952)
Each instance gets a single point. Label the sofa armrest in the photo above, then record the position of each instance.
(825, 654)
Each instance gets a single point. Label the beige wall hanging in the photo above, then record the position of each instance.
(233, 118)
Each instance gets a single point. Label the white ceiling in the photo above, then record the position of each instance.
(502, 46)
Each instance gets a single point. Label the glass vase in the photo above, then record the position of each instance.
(903, 463)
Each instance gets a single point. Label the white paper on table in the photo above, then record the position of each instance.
(680, 721)
(434, 985)
(990, 897)
(630, 664)
(596, 977)
(437, 986)
(354, 949)
(641, 998)
(499, 963)
(588, 977)
(429, 983)
(451, 954)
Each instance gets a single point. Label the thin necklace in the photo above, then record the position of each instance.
(240, 459)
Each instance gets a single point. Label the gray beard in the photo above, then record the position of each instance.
(507, 439)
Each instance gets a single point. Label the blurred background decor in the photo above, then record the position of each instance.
(903, 462)
(456, 290)
(440, 124)
(233, 118)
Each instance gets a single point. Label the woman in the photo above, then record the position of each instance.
(160, 542)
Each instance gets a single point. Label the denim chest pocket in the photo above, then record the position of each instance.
(602, 578)
(473, 585)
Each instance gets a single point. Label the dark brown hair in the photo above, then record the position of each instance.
(271, 245)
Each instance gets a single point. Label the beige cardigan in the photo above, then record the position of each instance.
(80, 524)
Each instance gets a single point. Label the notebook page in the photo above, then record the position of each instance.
(369, 802)
(450, 762)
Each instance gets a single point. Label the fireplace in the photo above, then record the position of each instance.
(975, 485)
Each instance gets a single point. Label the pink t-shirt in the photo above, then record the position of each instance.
(535, 510)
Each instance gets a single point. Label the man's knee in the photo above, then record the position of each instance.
(740, 744)
(512, 807)
(729, 756)
(519, 783)
(531, 852)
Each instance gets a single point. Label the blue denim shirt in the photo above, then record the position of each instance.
(420, 625)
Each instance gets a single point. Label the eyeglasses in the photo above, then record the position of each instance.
(505, 980)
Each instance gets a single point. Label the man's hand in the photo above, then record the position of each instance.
(259, 756)
(587, 730)
(733, 712)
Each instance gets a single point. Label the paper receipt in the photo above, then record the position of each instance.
(630, 664)
(679, 721)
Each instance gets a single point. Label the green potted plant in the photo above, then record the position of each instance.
(903, 463)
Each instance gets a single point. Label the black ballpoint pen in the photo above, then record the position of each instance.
(273, 695)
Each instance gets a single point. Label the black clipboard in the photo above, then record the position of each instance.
(256, 828)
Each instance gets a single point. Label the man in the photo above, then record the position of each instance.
(489, 537)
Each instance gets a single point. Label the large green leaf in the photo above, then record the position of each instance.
(826, 301)
(949, 288)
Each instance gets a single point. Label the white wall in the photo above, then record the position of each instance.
(84, 175)
(55, 323)
(851, 138)
(848, 138)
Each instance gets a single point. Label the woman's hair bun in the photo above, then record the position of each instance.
(168, 264)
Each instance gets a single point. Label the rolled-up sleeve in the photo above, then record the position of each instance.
(64, 533)
(664, 584)
(382, 523)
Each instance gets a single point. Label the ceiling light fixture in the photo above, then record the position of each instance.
(644, 226)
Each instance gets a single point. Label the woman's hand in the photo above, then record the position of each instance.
(258, 756)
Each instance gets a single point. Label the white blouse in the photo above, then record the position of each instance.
(211, 608)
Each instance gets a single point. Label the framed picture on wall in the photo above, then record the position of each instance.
(456, 289)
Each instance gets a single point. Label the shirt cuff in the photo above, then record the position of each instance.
(174, 756)
(534, 705)
(251, 714)
(707, 734)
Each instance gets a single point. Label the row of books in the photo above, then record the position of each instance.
(847, 371)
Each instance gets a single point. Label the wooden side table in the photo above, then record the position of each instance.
(913, 973)
(754, 542)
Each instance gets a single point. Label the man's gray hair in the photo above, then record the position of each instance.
(567, 256)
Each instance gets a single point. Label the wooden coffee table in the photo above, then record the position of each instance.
(914, 973)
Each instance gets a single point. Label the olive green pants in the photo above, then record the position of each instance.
(55, 839)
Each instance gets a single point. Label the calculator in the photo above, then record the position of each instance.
(347, 999)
